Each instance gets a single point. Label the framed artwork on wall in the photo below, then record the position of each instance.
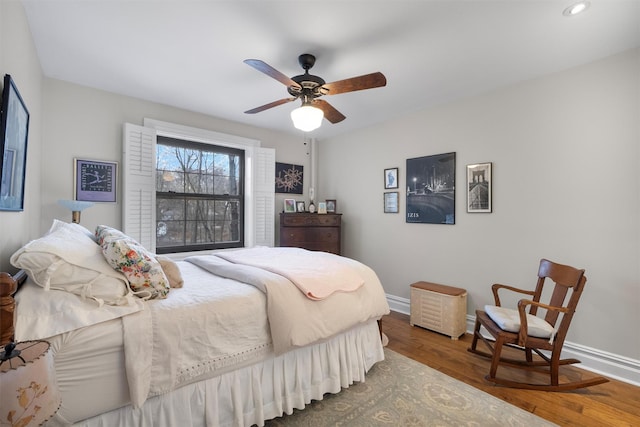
(391, 202)
(95, 180)
(431, 189)
(390, 178)
(479, 182)
(289, 178)
(14, 134)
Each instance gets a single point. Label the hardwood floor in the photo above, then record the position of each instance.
(611, 404)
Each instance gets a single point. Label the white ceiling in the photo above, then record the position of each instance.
(189, 54)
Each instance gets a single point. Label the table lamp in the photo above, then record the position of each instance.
(29, 394)
(75, 206)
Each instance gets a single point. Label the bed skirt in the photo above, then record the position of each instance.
(253, 394)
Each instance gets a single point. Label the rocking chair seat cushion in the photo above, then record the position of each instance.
(509, 320)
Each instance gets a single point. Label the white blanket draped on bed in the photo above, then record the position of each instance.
(316, 274)
(294, 319)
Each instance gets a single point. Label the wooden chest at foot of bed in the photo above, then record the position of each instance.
(439, 308)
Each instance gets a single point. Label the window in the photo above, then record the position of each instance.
(199, 196)
(254, 182)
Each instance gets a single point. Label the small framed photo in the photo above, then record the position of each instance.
(95, 180)
(390, 178)
(391, 202)
(322, 207)
(290, 205)
(479, 187)
(300, 207)
(331, 205)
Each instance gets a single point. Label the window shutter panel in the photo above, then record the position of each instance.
(138, 183)
(264, 196)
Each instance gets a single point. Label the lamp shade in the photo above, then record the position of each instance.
(75, 206)
(29, 394)
(307, 118)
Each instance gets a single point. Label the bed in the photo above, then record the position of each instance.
(231, 338)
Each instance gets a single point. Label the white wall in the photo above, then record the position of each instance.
(565, 153)
(87, 123)
(19, 59)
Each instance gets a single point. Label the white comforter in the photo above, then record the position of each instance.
(165, 346)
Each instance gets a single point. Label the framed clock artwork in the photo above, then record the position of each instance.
(95, 180)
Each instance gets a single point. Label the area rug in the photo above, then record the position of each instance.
(402, 392)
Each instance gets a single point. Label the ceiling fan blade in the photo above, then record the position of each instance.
(269, 105)
(368, 81)
(270, 71)
(330, 113)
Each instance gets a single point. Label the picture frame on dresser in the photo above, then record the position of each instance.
(290, 205)
(331, 205)
(322, 207)
(300, 207)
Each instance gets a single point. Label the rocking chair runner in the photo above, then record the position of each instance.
(528, 333)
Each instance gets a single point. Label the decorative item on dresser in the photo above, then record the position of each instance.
(311, 231)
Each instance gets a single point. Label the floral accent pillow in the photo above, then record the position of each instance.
(142, 270)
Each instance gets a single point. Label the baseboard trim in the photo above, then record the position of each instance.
(602, 362)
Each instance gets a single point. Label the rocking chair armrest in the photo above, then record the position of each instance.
(524, 303)
(524, 328)
(497, 286)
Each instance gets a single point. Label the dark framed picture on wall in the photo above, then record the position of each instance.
(289, 178)
(479, 187)
(14, 134)
(95, 180)
(390, 178)
(391, 202)
(431, 189)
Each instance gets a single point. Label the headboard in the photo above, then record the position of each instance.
(8, 286)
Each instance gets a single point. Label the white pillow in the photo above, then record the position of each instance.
(57, 224)
(42, 314)
(509, 320)
(68, 259)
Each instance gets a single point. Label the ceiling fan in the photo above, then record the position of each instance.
(309, 88)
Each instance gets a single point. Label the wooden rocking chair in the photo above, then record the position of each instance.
(529, 333)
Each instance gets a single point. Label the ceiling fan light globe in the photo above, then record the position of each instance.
(307, 118)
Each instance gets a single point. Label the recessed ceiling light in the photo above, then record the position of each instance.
(576, 8)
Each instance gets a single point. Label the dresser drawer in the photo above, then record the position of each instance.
(295, 236)
(304, 220)
(316, 232)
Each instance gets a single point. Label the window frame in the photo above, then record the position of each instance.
(138, 181)
(240, 197)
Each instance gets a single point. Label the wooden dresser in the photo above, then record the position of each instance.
(316, 232)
